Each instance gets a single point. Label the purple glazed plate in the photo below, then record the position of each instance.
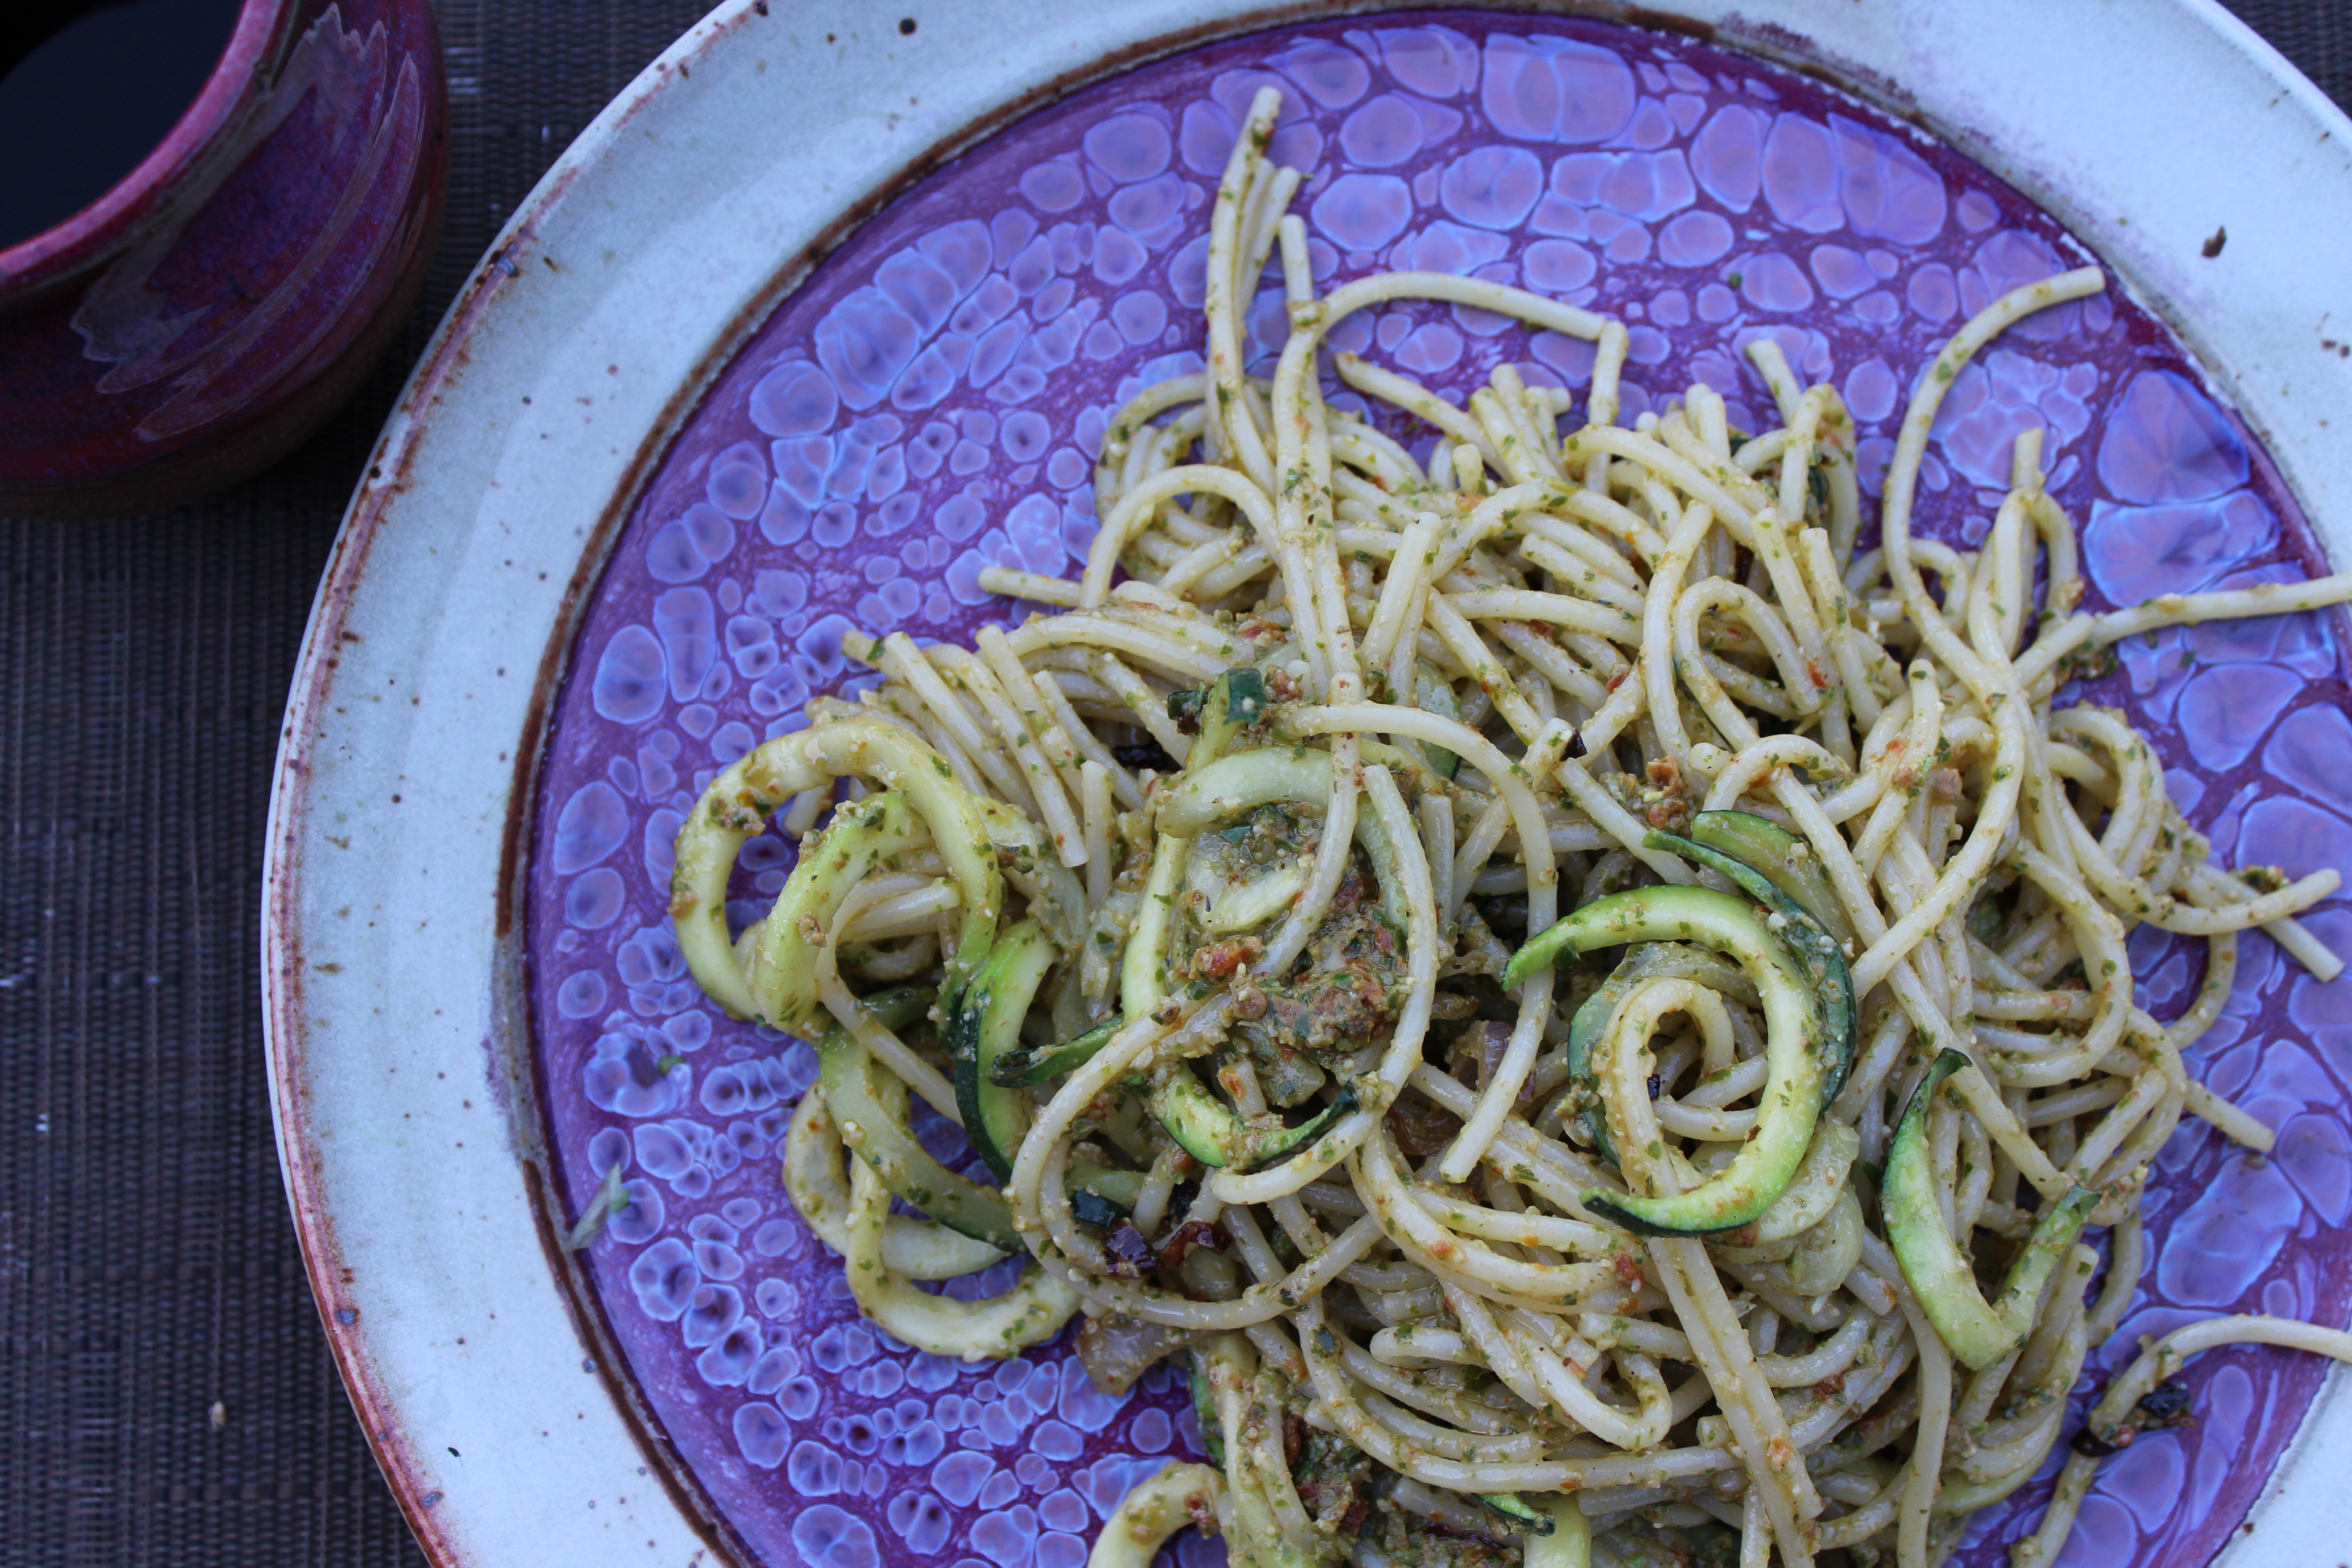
(691, 425)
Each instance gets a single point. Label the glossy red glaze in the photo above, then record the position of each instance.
(212, 308)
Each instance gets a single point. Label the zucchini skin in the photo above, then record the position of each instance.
(1224, 706)
(1512, 1507)
(1569, 1544)
(1236, 785)
(1120, 1189)
(1792, 1096)
(984, 1028)
(1811, 940)
(1205, 1407)
(1788, 860)
(1193, 1117)
(1585, 1027)
(1433, 693)
(890, 1148)
(1027, 1065)
(863, 834)
(1211, 1133)
(1978, 1332)
(738, 804)
(1213, 788)
(1591, 1019)
(1271, 1150)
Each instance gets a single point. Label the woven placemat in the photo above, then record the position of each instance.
(166, 1394)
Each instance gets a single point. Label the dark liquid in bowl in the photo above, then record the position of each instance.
(87, 90)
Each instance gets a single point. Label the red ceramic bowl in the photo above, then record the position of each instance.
(214, 307)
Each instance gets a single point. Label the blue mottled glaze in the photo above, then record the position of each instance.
(930, 402)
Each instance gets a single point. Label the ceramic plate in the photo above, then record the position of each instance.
(820, 319)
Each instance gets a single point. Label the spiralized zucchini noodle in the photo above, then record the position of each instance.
(1593, 1013)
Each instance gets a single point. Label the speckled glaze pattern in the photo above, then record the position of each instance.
(930, 402)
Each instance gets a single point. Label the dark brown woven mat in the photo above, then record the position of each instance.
(166, 1396)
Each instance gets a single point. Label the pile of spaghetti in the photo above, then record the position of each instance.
(1593, 1018)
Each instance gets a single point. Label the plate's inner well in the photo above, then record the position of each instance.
(930, 403)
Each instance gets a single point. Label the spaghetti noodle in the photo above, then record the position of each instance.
(1196, 904)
